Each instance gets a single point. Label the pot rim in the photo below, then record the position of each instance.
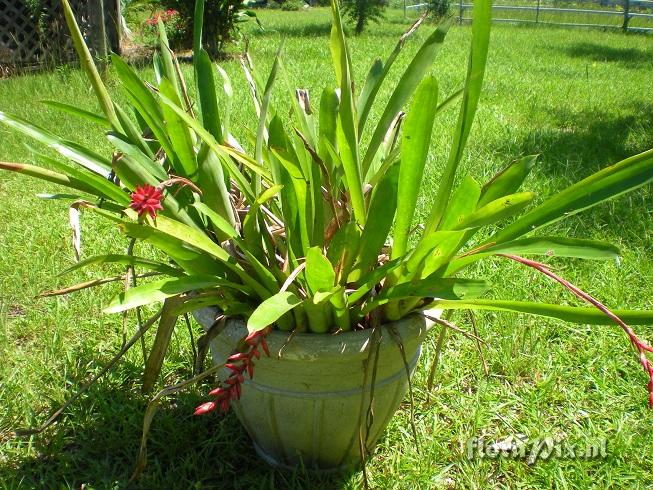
(310, 345)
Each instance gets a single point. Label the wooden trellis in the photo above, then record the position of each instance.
(27, 40)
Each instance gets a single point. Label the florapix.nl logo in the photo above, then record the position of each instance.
(533, 450)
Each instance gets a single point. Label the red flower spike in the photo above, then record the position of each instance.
(239, 356)
(264, 345)
(217, 392)
(255, 352)
(232, 367)
(146, 199)
(205, 408)
(238, 363)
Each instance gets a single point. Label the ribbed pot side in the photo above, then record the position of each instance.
(303, 408)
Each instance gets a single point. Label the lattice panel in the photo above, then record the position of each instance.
(24, 41)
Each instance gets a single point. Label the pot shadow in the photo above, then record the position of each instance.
(97, 442)
(629, 57)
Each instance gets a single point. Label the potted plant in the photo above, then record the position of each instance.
(304, 249)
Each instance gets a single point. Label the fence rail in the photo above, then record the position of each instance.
(553, 12)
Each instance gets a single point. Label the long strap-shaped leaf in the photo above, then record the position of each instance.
(572, 314)
(541, 245)
(415, 143)
(377, 75)
(346, 130)
(77, 153)
(89, 67)
(48, 175)
(155, 291)
(610, 182)
(416, 70)
(154, 361)
(475, 71)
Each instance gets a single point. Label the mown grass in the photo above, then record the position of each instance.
(580, 98)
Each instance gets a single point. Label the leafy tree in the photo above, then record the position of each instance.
(361, 12)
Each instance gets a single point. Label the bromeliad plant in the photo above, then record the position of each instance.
(313, 231)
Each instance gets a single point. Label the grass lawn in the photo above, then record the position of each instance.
(580, 98)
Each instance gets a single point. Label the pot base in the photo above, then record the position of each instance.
(275, 463)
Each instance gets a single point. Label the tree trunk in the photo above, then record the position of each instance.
(360, 24)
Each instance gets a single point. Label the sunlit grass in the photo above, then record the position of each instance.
(580, 98)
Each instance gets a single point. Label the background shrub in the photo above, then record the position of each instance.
(362, 12)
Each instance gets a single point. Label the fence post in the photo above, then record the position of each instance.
(626, 15)
(98, 33)
(537, 12)
(405, 9)
(460, 19)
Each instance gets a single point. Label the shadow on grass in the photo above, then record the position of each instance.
(97, 443)
(573, 145)
(580, 143)
(631, 57)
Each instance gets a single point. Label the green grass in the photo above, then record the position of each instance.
(580, 98)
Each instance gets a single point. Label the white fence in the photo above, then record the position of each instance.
(629, 15)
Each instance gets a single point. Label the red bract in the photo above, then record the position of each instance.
(146, 199)
(205, 408)
(238, 363)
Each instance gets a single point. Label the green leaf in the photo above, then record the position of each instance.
(76, 111)
(414, 73)
(157, 291)
(497, 210)
(582, 315)
(558, 247)
(228, 103)
(377, 75)
(429, 245)
(98, 185)
(265, 105)
(208, 101)
(328, 124)
(266, 277)
(381, 213)
(437, 287)
(625, 176)
(199, 240)
(75, 152)
(508, 180)
(178, 133)
(270, 310)
(463, 202)
(342, 250)
(86, 61)
(374, 277)
(144, 102)
(415, 143)
(133, 133)
(224, 152)
(164, 330)
(48, 175)
(319, 271)
(543, 245)
(139, 157)
(482, 16)
(168, 63)
(131, 260)
(198, 25)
